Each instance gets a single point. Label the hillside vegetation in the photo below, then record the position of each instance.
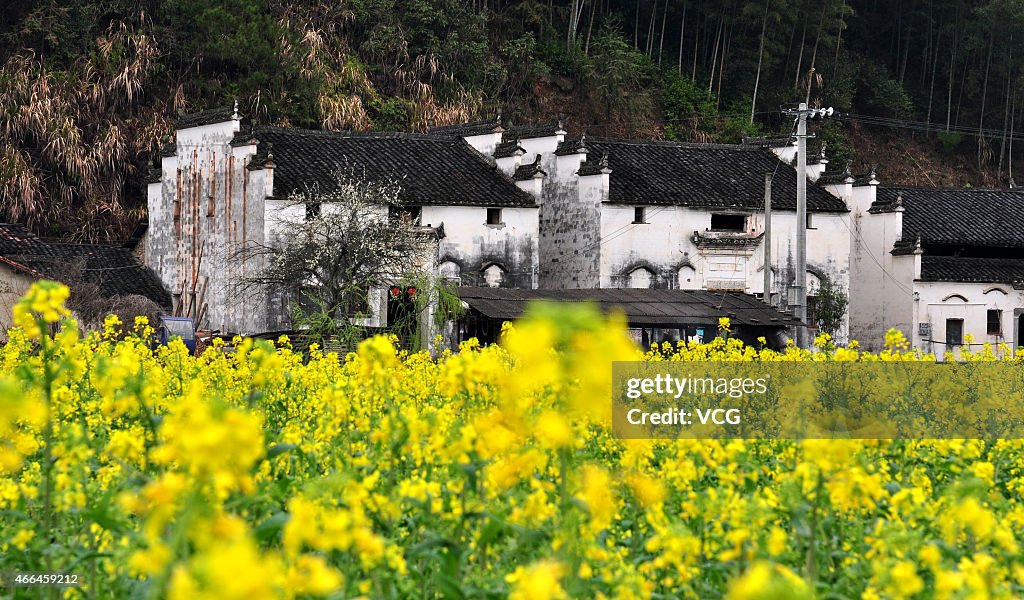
(89, 89)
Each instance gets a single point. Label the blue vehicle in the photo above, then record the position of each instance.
(177, 327)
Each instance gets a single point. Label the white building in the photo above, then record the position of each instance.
(222, 186)
(944, 266)
(642, 214)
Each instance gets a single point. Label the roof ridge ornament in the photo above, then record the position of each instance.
(234, 109)
(873, 175)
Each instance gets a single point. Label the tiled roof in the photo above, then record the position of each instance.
(574, 146)
(970, 217)
(206, 117)
(468, 129)
(15, 240)
(527, 171)
(703, 175)
(431, 170)
(779, 141)
(833, 177)
(524, 132)
(651, 307)
(594, 165)
(507, 149)
(976, 270)
(114, 268)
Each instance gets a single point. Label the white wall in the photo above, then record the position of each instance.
(221, 211)
(13, 286)
(881, 296)
(474, 245)
(665, 244)
(971, 302)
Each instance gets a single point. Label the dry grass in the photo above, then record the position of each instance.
(69, 141)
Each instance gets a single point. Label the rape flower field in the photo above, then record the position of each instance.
(490, 472)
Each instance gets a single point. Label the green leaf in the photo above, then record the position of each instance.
(279, 449)
(270, 527)
(448, 587)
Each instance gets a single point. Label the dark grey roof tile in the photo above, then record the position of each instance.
(975, 270)
(206, 117)
(703, 175)
(970, 217)
(430, 169)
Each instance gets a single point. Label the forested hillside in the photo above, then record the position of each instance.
(89, 89)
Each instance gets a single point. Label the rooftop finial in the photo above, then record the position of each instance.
(849, 168)
(234, 114)
(899, 200)
(917, 244)
(604, 161)
(1012, 184)
(821, 152)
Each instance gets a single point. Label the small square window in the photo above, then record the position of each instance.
(995, 322)
(728, 222)
(640, 214)
(954, 332)
(494, 216)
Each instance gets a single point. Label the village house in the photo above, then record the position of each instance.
(643, 214)
(944, 266)
(224, 188)
(108, 273)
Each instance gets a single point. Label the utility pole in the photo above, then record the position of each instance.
(768, 238)
(799, 302)
(800, 310)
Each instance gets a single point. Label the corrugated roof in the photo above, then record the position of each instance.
(651, 307)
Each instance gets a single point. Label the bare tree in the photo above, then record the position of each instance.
(336, 245)
(91, 306)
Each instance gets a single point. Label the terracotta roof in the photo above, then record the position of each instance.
(703, 175)
(968, 217)
(975, 270)
(431, 170)
(650, 307)
(114, 268)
